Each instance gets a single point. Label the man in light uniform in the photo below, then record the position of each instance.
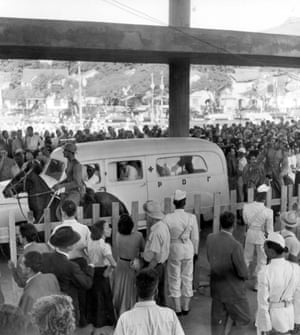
(259, 221)
(157, 245)
(184, 234)
(278, 290)
(290, 222)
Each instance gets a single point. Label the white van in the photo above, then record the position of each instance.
(148, 169)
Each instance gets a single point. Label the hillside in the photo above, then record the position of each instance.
(290, 27)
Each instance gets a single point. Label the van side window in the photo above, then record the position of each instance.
(91, 175)
(125, 170)
(180, 165)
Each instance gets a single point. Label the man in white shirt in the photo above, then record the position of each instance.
(146, 317)
(290, 222)
(68, 220)
(157, 245)
(259, 221)
(33, 141)
(278, 290)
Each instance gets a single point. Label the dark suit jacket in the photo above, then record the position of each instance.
(228, 267)
(69, 275)
(40, 286)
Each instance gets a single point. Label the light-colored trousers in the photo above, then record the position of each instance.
(180, 277)
(261, 258)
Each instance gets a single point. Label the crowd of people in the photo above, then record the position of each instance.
(124, 290)
(76, 280)
(253, 152)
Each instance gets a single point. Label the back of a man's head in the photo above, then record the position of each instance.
(146, 283)
(69, 208)
(12, 320)
(227, 220)
(33, 260)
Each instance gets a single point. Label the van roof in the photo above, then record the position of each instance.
(139, 147)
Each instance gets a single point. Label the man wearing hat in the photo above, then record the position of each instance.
(290, 222)
(259, 221)
(184, 234)
(73, 183)
(278, 290)
(157, 245)
(69, 274)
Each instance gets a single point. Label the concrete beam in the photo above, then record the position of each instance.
(90, 41)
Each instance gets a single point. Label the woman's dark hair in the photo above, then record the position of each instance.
(97, 230)
(276, 247)
(125, 224)
(28, 231)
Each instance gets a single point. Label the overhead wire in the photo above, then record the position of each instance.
(150, 18)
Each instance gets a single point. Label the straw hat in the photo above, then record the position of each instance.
(290, 219)
(153, 210)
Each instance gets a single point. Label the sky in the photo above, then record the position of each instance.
(246, 15)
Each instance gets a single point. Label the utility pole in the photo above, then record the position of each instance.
(152, 86)
(80, 95)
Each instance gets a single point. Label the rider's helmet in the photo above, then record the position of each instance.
(70, 147)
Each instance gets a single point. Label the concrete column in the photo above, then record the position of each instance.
(179, 99)
(180, 13)
(179, 75)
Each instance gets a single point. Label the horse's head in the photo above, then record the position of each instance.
(20, 182)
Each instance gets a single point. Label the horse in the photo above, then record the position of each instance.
(40, 195)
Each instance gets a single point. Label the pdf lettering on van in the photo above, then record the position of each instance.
(149, 169)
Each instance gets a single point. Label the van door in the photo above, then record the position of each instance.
(126, 179)
(187, 172)
(164, 177)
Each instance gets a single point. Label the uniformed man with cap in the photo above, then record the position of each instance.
(278, 290)
(259, 221)
(290, 221)
(157, 245)
(184, 234)
(73, 183)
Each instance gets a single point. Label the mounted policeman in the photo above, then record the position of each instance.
(73, 183)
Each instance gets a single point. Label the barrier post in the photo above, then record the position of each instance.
(13, 249)
(135, 214)
(167, 205)
(217, 211)
(47, 224)
(290, 196)
(250, 193)
(96, 213)
(233, 202)
(114, 222)
(79, 214)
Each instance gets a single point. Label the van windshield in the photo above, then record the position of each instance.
(55, 169)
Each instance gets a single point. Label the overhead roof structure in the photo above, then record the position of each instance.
(112, 42)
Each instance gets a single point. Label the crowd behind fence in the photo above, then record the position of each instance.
(286, 202)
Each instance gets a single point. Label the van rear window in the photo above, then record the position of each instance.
(180, 165)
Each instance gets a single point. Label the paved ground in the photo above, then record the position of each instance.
(198, 320)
